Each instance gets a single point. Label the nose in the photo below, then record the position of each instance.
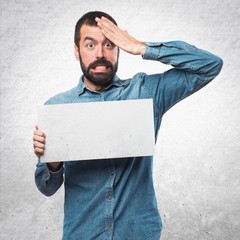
(100, 52)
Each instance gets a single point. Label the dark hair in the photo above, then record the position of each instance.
(89, 19)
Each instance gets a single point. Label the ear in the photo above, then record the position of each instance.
(76, 52)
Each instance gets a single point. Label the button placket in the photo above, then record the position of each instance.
(110, 196)
(101, 96)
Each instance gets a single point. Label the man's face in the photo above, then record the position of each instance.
(98, 57)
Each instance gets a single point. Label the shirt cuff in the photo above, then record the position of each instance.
(55, 173)
(152, 50)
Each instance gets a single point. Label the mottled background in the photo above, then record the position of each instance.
(196, 167)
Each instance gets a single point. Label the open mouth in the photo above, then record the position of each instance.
(100, 68)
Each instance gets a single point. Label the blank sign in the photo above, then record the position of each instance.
(97, 130)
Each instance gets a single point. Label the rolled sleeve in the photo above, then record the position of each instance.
(48, 182)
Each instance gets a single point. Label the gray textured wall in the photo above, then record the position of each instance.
(196, 167)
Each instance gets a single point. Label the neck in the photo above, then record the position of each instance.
(93, 86)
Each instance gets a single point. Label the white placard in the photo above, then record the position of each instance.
(97, 130)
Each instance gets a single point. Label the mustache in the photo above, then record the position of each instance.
(100, 62)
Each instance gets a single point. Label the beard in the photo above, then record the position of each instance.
(102, 79)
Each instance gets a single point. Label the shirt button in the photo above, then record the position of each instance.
(109, 197)
(109, 225)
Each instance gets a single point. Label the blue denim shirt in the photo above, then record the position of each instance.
(115, 198)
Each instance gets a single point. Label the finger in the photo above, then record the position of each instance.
(38, 139)
(106, 24)
(39, 133)
(116, 36)
(39, 151)
(37, 144)
(104, 21)
(97, 19)
(111, 31)
(109, 35)
(99, 22)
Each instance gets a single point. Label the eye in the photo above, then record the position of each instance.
(90, 45)
(109, 45)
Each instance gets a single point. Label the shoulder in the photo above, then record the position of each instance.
(134, 79)
(64, 97)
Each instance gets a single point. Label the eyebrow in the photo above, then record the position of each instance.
(94, 40)
(89, 38)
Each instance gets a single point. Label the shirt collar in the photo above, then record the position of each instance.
(81, 86)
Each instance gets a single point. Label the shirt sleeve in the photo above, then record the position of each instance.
(48, 182)
(193, 68)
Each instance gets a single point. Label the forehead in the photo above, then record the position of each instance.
(92, 32)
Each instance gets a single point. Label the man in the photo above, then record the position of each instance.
(114, 198)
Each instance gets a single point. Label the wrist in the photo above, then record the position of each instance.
(142, 47)
(54, 166)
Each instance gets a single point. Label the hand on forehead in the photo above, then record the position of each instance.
(120, 37)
